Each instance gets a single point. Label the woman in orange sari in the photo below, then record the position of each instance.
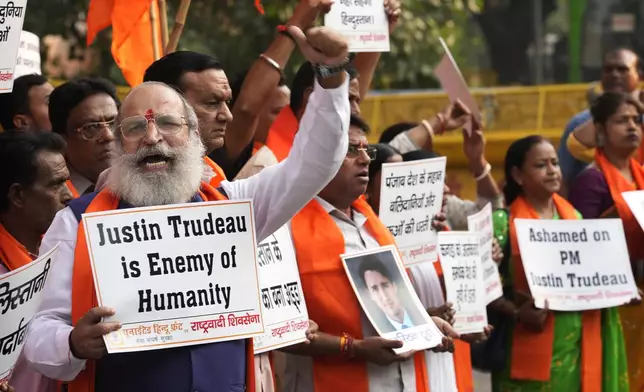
(548, 351)
(597, 192)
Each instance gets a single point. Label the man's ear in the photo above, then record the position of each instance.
(16, 195)
(22, 121)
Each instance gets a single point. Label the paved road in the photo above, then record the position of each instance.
(482, 382)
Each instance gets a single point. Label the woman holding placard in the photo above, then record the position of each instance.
(558, 351)
(597, 193)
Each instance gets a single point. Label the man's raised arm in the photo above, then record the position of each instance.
(280, 191)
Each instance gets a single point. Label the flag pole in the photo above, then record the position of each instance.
(177, 28)
(163, 10)
(155, 31)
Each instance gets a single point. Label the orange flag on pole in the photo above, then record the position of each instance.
(132, 37)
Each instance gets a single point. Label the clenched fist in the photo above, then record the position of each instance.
(321, 45)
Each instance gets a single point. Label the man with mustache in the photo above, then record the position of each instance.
(84, 112)
(159, 161)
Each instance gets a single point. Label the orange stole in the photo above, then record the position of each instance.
(12, 253)
(72, 189)
(219, 172)
(282, 133)
(618, 184)
(329, 297)
(84, 292)
(532, 352)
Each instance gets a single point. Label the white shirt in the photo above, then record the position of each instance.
(278, 193)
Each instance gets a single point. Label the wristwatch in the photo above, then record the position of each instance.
(323, 71)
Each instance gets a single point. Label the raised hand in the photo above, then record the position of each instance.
(86, 339)
(447, 345)
(312, 331)
(439, 223)
(478, 337)
(453, 116)
(392, 9)
(531, 317)
(4, 387)
(380, 351)
(321, 45)
(497, 252)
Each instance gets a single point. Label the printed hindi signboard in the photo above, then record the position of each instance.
(176, 275)
(481, 223)
(12, 15)
(28, 59)
(576, 264)
(20, 296)
(362, 22)
(411, 194)
(285, 315)
(460, 257)
(387, 297)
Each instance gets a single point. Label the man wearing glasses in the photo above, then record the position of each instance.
(84, 111)
(158, 160)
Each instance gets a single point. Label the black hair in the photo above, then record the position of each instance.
(373, 263)
(170, 68)
(391, 132)
(417, 155)
(236, 86)
(357, 121)
(515, 157)
(17, 101)
(383, 153)
(18, 155)
(67, 96)
(607, 104)
(304, 79)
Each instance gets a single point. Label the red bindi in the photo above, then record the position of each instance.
(149, 115)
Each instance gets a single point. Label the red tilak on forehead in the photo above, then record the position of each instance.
(149, 115)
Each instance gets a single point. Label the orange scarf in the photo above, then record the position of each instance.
(12, 253)
(330, 299)
(72, 189)
(84, 293)
(219, 172)
(282, 133)
(618, 184)
(532, 352)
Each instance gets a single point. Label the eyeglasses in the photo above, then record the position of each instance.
(134, 128)
(90, 131)
(355, 149)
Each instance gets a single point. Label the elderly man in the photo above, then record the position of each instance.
(159, 161)
(31, 194)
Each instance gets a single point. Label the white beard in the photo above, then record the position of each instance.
(178, 184)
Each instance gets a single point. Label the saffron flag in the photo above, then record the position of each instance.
(132, 37)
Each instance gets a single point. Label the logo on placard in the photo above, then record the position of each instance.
(116, 338)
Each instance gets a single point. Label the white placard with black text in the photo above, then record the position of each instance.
(362, 22)
(176, 275)
(576, 264)
(12, 16)
(481, 223)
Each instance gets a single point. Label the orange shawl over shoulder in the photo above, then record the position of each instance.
(282, 133)
(72, 189)
(219, 172)
(618, 184)
(12, 253)
(329, 297)
(84, 292)
(532, 352)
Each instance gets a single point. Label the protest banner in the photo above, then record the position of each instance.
(28, 59)
(481, 223)
(576, 264)
(176, 275)
(20, 296)
(362, 22)
(285, 315)
(388, 299)
(12, 15)
(452, 81)
(411, 194)
(460, 257)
